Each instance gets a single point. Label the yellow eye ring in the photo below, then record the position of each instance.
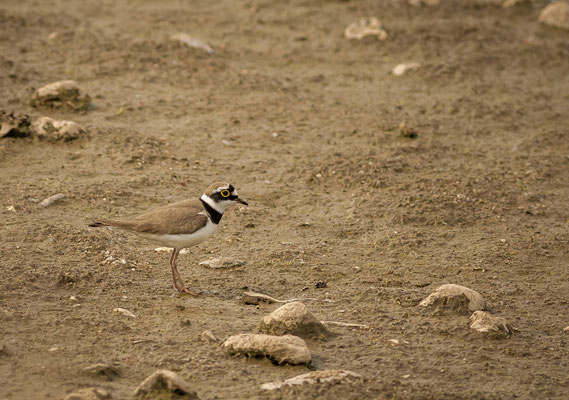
(225, 193)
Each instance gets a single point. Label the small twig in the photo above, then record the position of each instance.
(141, 341)
(254, 298)
(346, 324)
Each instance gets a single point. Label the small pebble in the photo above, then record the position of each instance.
(192, 41)
(401, 69)
(208, 336)
(124, 312)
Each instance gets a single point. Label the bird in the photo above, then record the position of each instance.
(181, 224)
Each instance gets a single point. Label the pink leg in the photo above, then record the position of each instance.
(181, 288)
(173, 258)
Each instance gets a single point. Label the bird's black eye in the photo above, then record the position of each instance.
(225, 193)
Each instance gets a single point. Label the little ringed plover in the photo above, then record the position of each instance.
(182, 224)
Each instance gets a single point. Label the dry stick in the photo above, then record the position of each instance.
(346, 324)
(265, 297)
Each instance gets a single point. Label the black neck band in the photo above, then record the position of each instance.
(213, 213)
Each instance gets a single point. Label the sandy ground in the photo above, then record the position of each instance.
(310, 123)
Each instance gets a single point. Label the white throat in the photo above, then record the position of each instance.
(219, 207)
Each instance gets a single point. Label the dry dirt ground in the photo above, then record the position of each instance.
(479, 198)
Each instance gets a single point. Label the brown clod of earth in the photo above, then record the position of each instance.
(91, 393)
(455, 298)
(489, 325)
(107, 371)
(281, 349)
(165, 384)
(61, 94)
(365, 27)
(294, 319)
(407, 131)
(14, 124)
(332, 376)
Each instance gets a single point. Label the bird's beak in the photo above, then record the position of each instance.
(241, 201)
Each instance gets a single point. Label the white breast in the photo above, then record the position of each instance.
(181, 241)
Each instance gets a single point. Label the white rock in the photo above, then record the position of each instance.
(165, 380)
(48, 128)
(222, 262)
(555, 14)
(449, 296)
(400, 69)
(11, 209)
(311, 378)
(485, 322)
(191, 41)
(365, 27)
(282, 349)
(52, 200)
(124, 312)
(295, 319)
(566, 329)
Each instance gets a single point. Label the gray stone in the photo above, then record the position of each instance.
(555, 14)
(91, 393)
(281, 349)
(459, 299)
(295, 319)
(489, 325)
(164, 383)
(332, 376)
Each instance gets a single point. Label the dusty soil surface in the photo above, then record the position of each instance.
(305, 124)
